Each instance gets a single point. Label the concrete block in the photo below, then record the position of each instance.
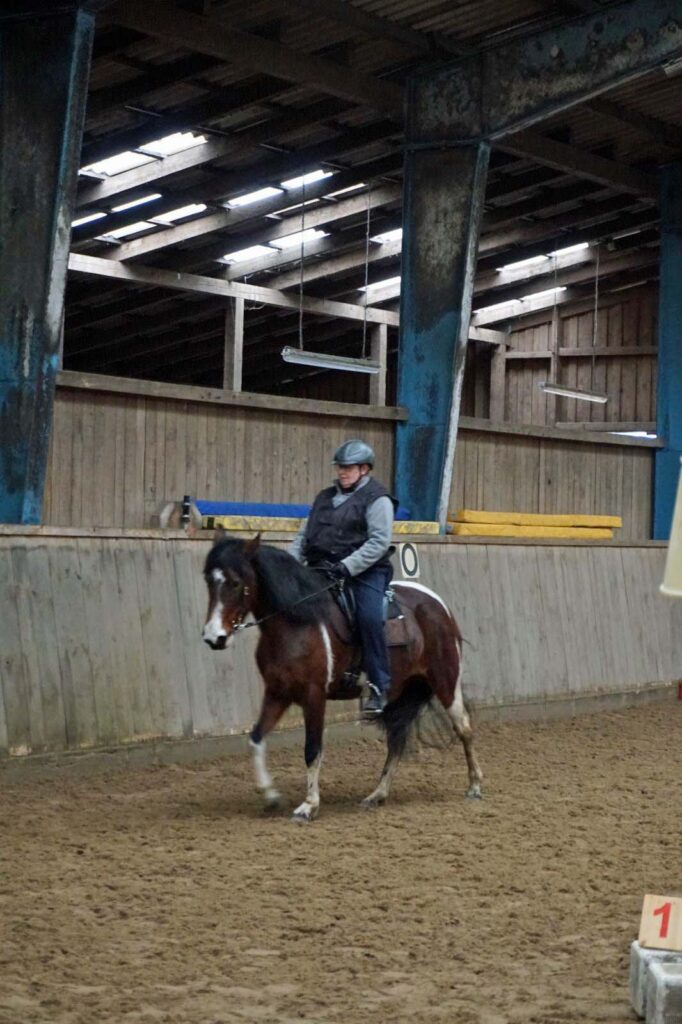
(664, 994)
(641, 959)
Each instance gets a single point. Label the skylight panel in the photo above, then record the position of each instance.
(135, 202)
(532, 261)
(180, 213)
(130, 229)
(343, 191)
(542, 294)
(87, 219)
(250, 253)
(389, 282)
(569, 249)
(306, 179)
(254, 197)
(126, 161)
(388, 236)
(171, 144)
(298, 238)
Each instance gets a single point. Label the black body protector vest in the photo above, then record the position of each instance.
(334, 533)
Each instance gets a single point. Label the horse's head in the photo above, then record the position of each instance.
(231, 583)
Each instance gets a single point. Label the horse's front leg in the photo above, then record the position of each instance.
(272, 710)
(313, 713)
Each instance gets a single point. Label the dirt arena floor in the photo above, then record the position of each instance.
(166, 895)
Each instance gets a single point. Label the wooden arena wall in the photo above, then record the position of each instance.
(101, 648)
(121, 450)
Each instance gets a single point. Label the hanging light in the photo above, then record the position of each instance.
(566, 392)
(324, 361)
(672, 578)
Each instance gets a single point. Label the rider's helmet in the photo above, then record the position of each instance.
(354, 453)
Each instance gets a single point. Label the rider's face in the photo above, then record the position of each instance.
(348, 476)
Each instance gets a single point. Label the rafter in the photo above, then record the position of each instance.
(653, 128)
(212, 37)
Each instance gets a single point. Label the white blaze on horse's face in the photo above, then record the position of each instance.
(214, 633)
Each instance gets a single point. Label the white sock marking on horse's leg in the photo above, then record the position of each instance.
(310, 806)
(460, 720)
(263, 779)
(380, 794)
(324, 633)
(424, 590)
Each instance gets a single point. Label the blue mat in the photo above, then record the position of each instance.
(261, 508)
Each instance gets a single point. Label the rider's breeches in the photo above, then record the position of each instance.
(369, 588)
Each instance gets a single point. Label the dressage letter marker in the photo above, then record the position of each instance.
(661, 924)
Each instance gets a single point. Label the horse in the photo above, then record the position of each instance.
(303, 657)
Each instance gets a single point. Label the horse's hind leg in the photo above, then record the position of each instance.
(457, 713)
(380, 794)
(397, 720)
(271, 712)
(313, 713)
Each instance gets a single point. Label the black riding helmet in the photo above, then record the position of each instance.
(354, 453)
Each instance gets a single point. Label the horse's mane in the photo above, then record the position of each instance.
(282, 581)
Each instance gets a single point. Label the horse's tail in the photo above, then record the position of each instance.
(401, 714)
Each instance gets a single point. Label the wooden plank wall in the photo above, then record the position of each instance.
(116, 460)
(626, 321)
(511, 473)
(100, 635)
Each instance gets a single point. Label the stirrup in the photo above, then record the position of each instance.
(375, 703)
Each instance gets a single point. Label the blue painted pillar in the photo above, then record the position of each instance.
(443, 201)
(44, 63)
(669, 388)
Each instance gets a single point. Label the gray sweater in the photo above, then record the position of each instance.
(379, 533)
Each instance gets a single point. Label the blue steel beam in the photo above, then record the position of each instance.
(452, 115)
(44, 63)
(669, 388)
(515, 84)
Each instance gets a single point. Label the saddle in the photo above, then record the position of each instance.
(395, 627)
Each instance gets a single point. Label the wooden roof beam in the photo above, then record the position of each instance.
(214, 38)
(651, 127)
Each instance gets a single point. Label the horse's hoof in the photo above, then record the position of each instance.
(473, 792)
(370, 803)
(273, 801)
(304, 814)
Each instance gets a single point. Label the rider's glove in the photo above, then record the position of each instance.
(338, 571)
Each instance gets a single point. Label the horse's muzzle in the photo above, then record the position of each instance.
(218, 644)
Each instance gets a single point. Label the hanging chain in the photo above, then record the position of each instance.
(300, 282)
(364, 321)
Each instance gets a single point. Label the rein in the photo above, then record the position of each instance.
(308, 597)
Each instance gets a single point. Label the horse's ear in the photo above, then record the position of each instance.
(251, 546)
(218, 535)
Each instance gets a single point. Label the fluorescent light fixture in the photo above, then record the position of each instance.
(388, 236)
(182, 211)
(170, 144)
(117, 164)
(543, 294)
(135, 202)
(306, 179)
(387, 283)
(566, 392)
(298, 238)
(255, 197)
(329, 362)
(87, 219)
(131, 229)
(288, 209)
(530, 262)
(250, 253)
(569, 249)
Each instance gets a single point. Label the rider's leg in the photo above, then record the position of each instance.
(370, 587)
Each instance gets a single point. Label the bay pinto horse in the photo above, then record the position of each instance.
(302, 657)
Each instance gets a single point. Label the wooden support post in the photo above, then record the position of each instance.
(554, 346)
(498, 383)
(379, 351)
(234, 345)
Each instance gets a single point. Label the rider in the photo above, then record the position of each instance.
(348, 532)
